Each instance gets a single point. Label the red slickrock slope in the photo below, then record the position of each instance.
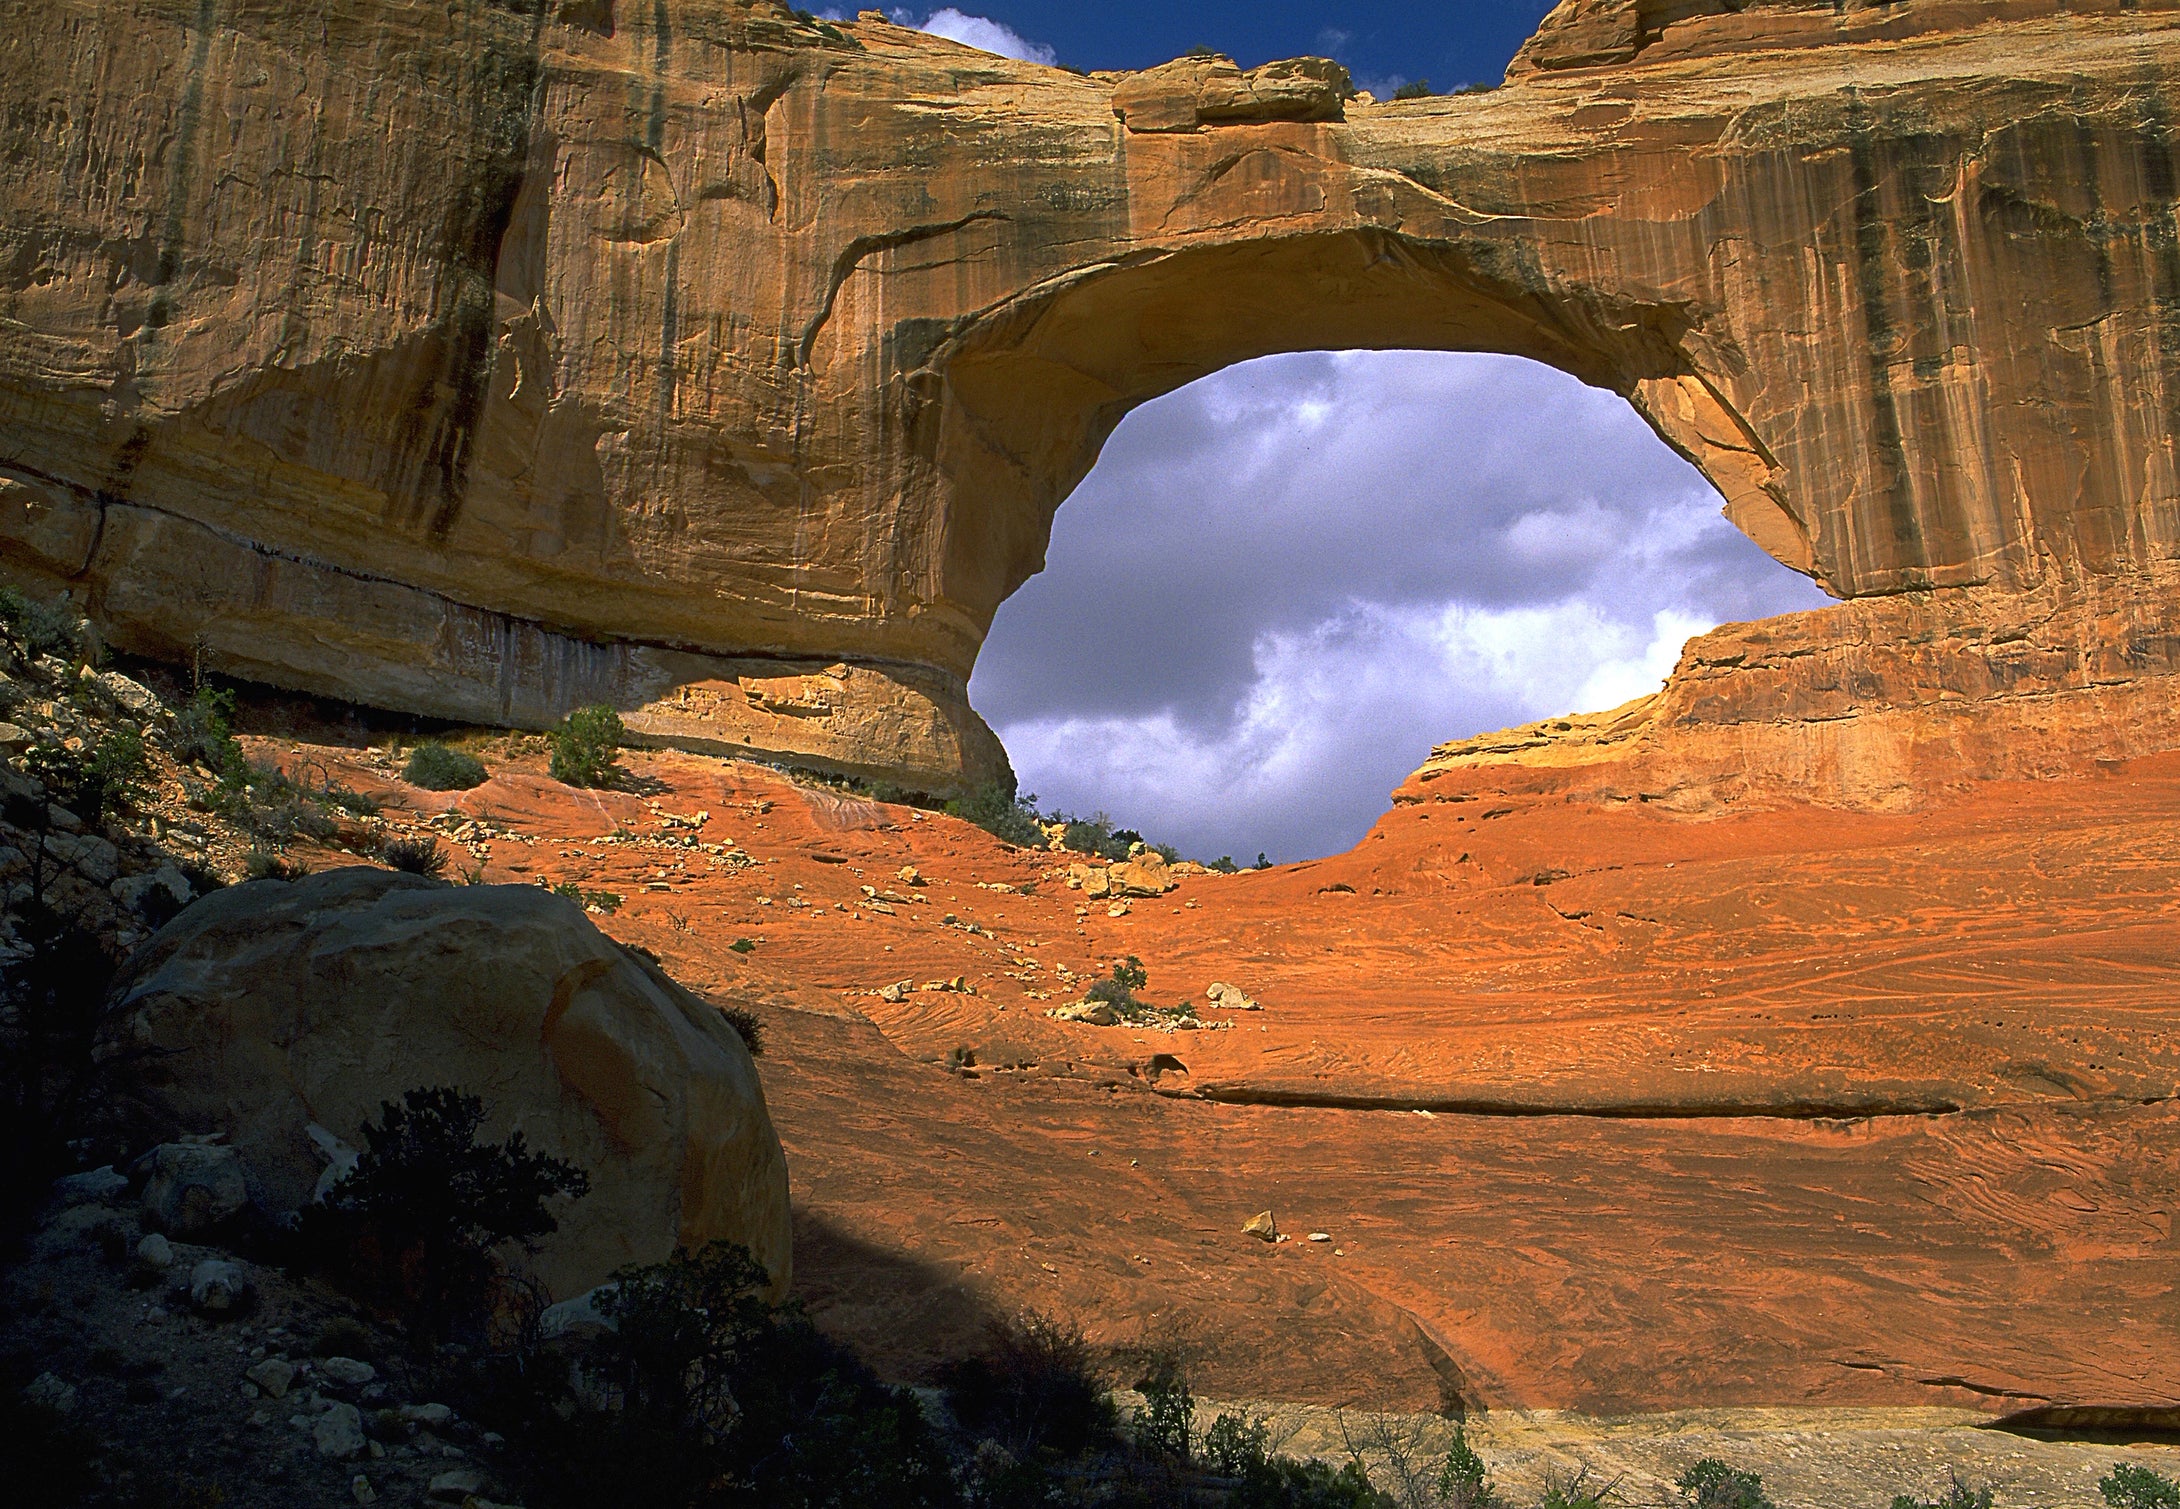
(1601, 1107)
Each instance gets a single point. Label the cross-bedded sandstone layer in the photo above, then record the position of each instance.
(488, 359)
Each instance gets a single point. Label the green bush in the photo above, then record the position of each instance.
(1094, 836)
(109, 776)
(1464, 1482)
(713, 1399)
(1034, 1389)
(437, 767)
(413, 1227)
(1415, 89)
(204, 734)
(2135, 1487)
(415, 856)
(586, 747)
(1711, 1484)
(39, 628)
(997, 810)
(606, 901)
(1957, 1495)
(1237, 1446)
(1166, 1425)
(1572, 1493)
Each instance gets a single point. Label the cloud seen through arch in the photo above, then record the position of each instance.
(1282, 584)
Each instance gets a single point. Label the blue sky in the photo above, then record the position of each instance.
(1450, 43)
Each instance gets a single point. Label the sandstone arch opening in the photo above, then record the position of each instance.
(1282, 583)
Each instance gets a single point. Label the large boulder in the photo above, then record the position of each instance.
(268, 1008)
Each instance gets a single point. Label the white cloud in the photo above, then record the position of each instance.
(987, 35)
(1283, 584)
(1308, 746)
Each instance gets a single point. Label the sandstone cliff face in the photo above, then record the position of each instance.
(729, 367)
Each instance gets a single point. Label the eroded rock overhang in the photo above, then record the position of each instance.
(729, 366)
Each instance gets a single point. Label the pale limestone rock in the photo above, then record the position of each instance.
(218, 1285)
(269, 1007)
(272, 1376)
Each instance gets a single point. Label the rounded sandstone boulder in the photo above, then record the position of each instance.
(267, 1008)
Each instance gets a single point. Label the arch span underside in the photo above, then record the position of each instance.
(729, 367)
(1035, 389)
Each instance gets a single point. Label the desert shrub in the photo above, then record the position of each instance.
(1166, 1424)
(744, 945)
(1957, 1495)
(1284, 1483)
(270, 864)
(1464, 1482)
(354, 803)
(437, 767)
(2130, 1486)
(1035, 1388)
(1711, 1484)
(420, 855)
(1235, 1446)
(587, 746)
(604, 901)
(1093, 835)
(413, 1228)
(746, 1027)
(272, 808)
(204, 733)
(1224, 864)
(1262, 862)
(705, 1396)
(1572, 1493)
(998, 811)
(103, 779)
(1414, 89)
(37, 627)
(1126, 977)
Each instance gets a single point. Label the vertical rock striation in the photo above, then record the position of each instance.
(486, 359)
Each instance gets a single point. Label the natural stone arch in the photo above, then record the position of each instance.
(1033, 390)
(675, 372)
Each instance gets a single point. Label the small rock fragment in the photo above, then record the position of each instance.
(273, 1375)
(52, 1392)
(217, 1285)
(155, 1253)
(1262, 1225)
(347, 1370)
(430, 1416)
(1320, 1236)
(360, 1489)
(338, 1433)
(457, 1484)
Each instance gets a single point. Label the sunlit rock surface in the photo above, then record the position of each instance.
(729, 366)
